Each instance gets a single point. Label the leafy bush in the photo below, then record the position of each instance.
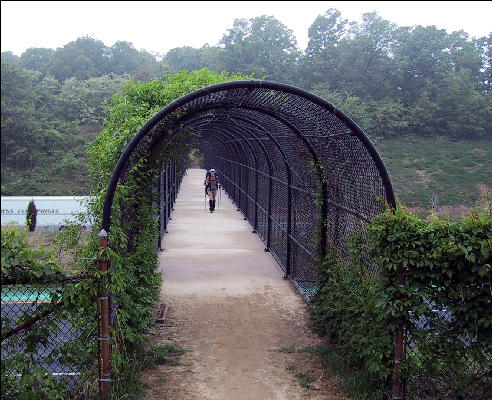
(345, 310)
(445, 303)
(22, 264)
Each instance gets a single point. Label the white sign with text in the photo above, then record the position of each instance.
(52, 210)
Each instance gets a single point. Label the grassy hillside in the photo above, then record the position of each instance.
(458, 171)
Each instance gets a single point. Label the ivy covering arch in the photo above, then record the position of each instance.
(304, 174)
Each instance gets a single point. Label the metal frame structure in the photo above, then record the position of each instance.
(303, 173)
(296, 167)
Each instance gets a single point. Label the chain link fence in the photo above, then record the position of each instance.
(42, 340)
(443, 359)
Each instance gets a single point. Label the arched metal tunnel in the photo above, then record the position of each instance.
(304, 174)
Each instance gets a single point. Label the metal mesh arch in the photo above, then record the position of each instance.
(288, 159)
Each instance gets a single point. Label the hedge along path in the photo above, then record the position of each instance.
(230, 311)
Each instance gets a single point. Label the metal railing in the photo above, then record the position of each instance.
(169, 182)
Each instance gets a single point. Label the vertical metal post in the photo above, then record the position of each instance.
(176, 180)
(398, 392)
(221, 167)
(173, 179)
(239, 185)
(168, 208)
(225, 175)
(324, 214)
(295, 199)
(105, 380)
(171, 182)
(269, 216)
(337, 218)
(166, 197)
(161, 208)
(237, 178)
(170, 189)
(170, 196)
(231, 171)
(98, 318)
(231, 180)
(234, 181)
(255, 226)
(246, 196)
(289, 223)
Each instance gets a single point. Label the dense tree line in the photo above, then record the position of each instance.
(45, 127)
(87, 58)
(390, 79)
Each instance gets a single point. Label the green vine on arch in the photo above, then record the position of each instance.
(134, 276)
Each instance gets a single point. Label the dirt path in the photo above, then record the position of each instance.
(230, 310)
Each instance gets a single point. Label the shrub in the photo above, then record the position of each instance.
(32, 213)
(445, 304)
(21, 264)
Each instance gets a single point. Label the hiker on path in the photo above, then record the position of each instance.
(211, 186)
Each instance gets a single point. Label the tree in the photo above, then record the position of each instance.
(82, 101)
(10, 57)
(420, 60)
(31, 216)
(353, 57)
(261, 45)
(42, 126)
(464, 53)
(365, 66)
(123, 59)
(84, 58)
(386, 117)
(191, 59)
(463, 110)
(322, 52)
(211, 58)
(18, 114)
(38, 59)
(325, 33)
(485, 46)
(183, 58)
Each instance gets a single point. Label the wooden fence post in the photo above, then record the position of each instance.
(105, 377)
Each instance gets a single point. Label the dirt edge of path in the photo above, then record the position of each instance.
(287, 370)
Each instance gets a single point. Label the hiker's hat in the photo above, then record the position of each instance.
(212, 170)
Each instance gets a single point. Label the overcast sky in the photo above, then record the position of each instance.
(160, 26)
